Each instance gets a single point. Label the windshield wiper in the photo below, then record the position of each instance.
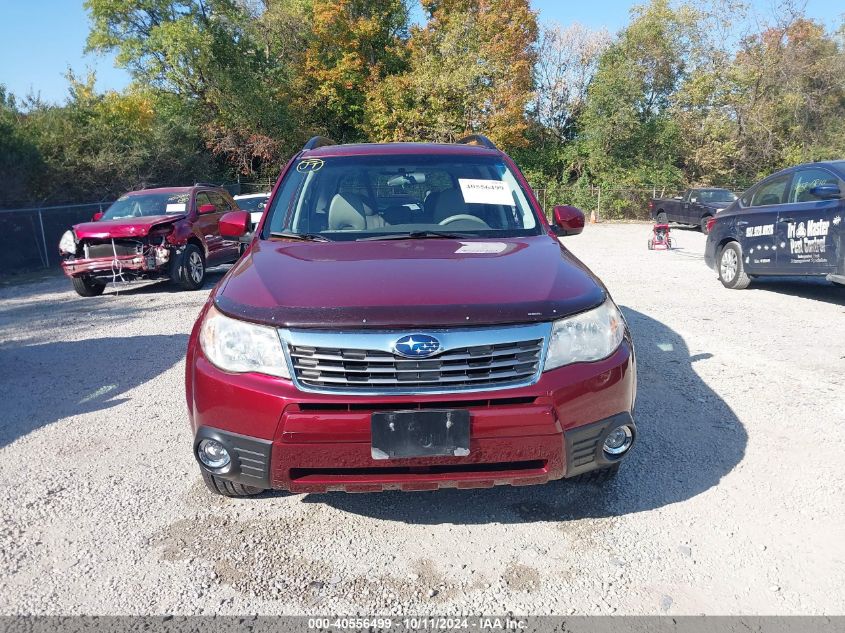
(417, 235)
(308, 237)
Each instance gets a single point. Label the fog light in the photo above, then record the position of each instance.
(213, 454)
(618, 440)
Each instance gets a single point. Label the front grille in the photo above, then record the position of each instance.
(122, 248)
(462, 368)
(436, 469)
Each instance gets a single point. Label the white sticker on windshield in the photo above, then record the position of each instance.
(482, 248)
(175, 207)
(486, 191)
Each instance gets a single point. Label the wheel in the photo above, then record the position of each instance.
(191, 272)
(704, 221)
(86, 287)
(731, 269)
(228, 488)
(598, 476)
(662, 218)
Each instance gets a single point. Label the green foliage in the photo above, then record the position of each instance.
(21, 163)
(100, 145)
(354, 45)
(223, 88)
(629, 133)
(469, 71)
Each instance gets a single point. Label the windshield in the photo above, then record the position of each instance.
(251, 204)
(137, 206)
(716, 195)
(365, 197)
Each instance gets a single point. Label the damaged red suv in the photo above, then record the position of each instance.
(406, 318)
(162, 233)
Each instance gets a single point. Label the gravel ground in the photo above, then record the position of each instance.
(729, 505)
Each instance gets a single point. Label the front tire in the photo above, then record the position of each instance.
(228, 488)
(731, 268)
(662, 218)
(191, 274)
(86, 287)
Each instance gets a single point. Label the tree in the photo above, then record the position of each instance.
(470, 70)
(353, 45)
(98, 146)
(629, 133)
(207, 53)
(788, 96)
(567, 60)
(21, 163)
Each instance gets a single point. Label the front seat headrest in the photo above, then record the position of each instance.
(346, 213)
(349, 212)
(449, 202)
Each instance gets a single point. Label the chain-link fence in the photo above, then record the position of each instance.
(29, 237)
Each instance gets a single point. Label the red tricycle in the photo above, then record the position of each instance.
(660, 238)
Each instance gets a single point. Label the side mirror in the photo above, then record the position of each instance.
(693, 200)
(234, 223)
(97, 216)
(207, 208)
(568, 220)
(826, 192)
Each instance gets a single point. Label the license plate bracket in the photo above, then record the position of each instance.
(420, 433)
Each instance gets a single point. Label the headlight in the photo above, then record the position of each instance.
(68, 243)
(239, 346)
(590, 336)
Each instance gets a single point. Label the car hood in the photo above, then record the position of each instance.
(408, 283)
(125, 227)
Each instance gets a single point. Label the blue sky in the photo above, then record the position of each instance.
(42, 38)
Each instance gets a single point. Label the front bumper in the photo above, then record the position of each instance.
(316, 442)
(129, 265)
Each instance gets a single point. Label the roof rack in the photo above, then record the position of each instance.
(477, 139)
(207, 184)
(317, 141)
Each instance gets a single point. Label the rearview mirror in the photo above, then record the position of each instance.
(234, 223)
(207, 208)
(568, 220)
(826, 192)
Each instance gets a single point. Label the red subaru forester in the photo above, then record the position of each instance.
(406, 318)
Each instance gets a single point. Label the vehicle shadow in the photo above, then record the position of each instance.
(47, 382)
(689, 439)
(815, 288)
(164, 286)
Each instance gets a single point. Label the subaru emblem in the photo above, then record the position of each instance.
(416, 346)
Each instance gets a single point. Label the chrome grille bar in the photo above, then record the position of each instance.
(364, 362)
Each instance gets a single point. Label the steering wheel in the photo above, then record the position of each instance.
(463, 216)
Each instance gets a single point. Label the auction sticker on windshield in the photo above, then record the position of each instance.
(486, 191)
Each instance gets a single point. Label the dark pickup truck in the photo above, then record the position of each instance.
(695, 206)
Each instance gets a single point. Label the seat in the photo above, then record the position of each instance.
(397, 214)
(449, 202)
(768, 200)
(348, 212)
